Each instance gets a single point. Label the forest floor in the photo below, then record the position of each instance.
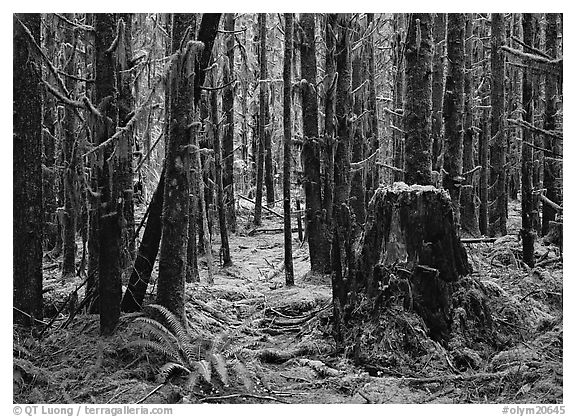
(282, 336)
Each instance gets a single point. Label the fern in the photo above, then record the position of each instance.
(203, 359)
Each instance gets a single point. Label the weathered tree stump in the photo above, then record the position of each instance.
(409, 250)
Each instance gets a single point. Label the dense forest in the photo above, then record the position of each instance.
(294, 208)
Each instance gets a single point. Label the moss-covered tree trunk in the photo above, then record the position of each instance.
(468, 212)
(529, 211)
(438, 66)
(125, 113)
(220, 199)
(497, 184)
(70, 145)
(287, 75)
(263, 103)
(373, 175)
(27, 172)
(173, 246)
(453, 109)
(358, 139)
(552, 167)
(399, 92)
(228, 135)
(418, 102)
(316, 217)
(329, 117)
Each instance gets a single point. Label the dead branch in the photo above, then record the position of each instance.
(479, 240)
(264, 207)
(526, 125)
(226, 397)
(550, 203)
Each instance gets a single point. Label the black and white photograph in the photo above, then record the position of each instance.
(287, 208)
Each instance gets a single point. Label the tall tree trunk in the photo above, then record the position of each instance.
(288, 35)
(267, 128)
(357, 184)
(27, 172)
(50, 181)
(372, 176)
(147, 252)
(173, 246)
(342, 232)
(483, 141)
(497, 185)
(398, 93)
(316, 218)
(439, 32)
(528, 231)
(453, 110)
(109, 220)
(228, 137)
(329, 118)
(225, 247)
(69, 150)
(418, 103)
(262, 121)
(468, 212)
(552, 167)
(125, 112)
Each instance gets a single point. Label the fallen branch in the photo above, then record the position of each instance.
(150, 393)
(263, 206)
(463, 377)
(550, 203)
(554, 63)
(229, 396)
(389, 167)
(479, 240)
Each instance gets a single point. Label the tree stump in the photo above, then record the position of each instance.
(410, 250)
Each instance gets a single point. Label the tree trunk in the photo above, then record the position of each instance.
(173, 246)
(329, 118)
(228, 137)
(288, 35)
(316, 218)
(453, 110)
(109, 220)
(266, 126)
(418, 103)
(224, 248)
(468, 212)
(125, 112)
(262, 121)
(372, 175)
(147, 252)
(27, 172)
(529, 212)
(399, 93)
(70, 145)
(497, 186)
(483, 142)
(438, 89)
(552, 167)
(357, 184)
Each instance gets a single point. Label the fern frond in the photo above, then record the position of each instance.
(219, 363)
(157, 330)
(204, 369)
(172, 322)
(168, 369)
(190, 352)
(243, 374)
(192, 380)
(157, 347)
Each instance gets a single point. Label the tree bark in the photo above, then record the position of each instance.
(287, 74)
(483, 143)
(228, 137)
(497, 185)
(357, 182)
(552, 168)
(27, 172)
(262, 121)
(147, 252)
(372, 175)
(225, 247)
(529, 213)
(316, 218)
(418, 103)
(125, 112)
(70, 145)
(453, 109)
(329, 118)
(109, 220)
(468, 212)
(438, 89)
(399, 93)
(173, 246)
